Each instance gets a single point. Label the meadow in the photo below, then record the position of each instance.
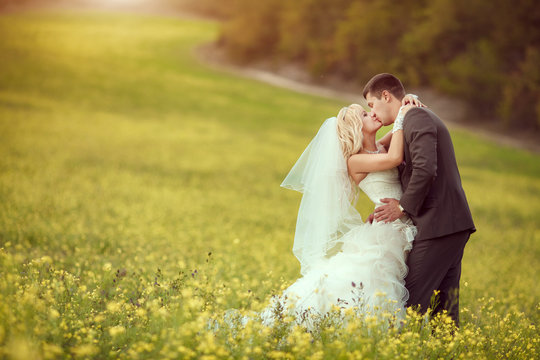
(140, 198)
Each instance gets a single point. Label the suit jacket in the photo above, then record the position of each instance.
(432, 193)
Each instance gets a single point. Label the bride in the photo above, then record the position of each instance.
(345, 262)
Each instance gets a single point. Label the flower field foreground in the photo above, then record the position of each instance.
(140, 201)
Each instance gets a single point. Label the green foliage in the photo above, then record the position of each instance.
(8, 4)
(522, 90)
(481, 51)
(124, 163)
(253, 34)
(310, 26)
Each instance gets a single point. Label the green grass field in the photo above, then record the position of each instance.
(124, 163)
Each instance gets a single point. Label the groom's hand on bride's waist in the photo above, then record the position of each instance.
(388, 212)
(370, 218)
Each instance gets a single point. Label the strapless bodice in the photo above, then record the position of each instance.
(382, 184)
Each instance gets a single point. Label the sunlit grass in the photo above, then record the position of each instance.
(124, 163)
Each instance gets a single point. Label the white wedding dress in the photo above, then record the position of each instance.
(367, 272)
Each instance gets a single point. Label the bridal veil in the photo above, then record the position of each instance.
(326, 210)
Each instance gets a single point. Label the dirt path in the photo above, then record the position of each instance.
(453, 111)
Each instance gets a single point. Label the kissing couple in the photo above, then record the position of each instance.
(411, 246)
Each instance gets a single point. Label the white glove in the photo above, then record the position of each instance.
(398, 123)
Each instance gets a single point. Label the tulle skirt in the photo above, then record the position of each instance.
(367, 273)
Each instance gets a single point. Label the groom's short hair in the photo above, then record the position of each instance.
(384, 81)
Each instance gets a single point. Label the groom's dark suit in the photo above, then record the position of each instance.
(434, 199)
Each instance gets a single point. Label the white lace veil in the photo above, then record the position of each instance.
(326, 210)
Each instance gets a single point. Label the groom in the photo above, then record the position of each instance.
(432, 197)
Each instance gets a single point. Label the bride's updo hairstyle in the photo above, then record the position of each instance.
(349, 129)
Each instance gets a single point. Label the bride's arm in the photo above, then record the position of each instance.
(366, 163)
(385, 140)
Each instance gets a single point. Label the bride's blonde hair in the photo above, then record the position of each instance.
(349, 129)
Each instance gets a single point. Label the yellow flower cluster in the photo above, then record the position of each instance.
(51, 313)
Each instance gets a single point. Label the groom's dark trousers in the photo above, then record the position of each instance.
(435, 264)
(434, 199)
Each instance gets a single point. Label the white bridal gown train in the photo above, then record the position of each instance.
(368, 272)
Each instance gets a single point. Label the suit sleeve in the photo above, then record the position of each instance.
(421, 135)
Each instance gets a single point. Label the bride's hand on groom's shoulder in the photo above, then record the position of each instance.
(412, 100)
(406, 108)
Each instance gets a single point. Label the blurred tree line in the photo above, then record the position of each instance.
(486, 52)
(7, 4)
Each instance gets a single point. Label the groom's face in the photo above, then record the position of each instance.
(381, 109)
